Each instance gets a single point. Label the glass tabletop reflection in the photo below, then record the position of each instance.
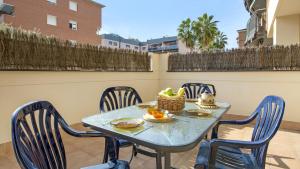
(184, 132)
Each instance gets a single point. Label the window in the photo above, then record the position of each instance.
(73, 6)
(110, 42)
(144, 48)
(115, 44)
(51, 20)
(128, 46)
(53, 2)
(73, 25)
(136, 48)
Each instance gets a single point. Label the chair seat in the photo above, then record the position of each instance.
(227, 158)
(110, 165)
(124, 143)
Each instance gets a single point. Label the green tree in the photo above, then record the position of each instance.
(205, 29)
(220, 40)
(202, 33)
(185, 33)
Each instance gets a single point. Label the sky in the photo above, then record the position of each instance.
(146, 19)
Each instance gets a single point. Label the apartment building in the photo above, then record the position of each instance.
(241, 39)
(272, 22)
(283, 21)
(117, 41)
(256, 34)
(158, 45)
(164, 44)
(74, 20)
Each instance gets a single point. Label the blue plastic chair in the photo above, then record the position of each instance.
(227, 154)
(119, 97)
(193, 90)
(115, 98)
(37, 140)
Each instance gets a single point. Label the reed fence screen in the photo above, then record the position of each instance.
(25, 51)
(277, 58)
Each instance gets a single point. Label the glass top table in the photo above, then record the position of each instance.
(183, 134)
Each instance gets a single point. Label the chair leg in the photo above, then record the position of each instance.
(105, 156)
(134, 150)
(158, 160)
(117, 151)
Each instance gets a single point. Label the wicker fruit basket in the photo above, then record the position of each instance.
(171, 104)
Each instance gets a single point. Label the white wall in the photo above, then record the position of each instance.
(272, 8)
(105, 43)
(74, 94)
(182, 49)
(77, 94)
(286, 30)
(243, 90)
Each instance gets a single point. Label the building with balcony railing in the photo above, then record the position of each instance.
(256, 34)
(273, 22)
(283, 21)
(118, 42)
(164, 44)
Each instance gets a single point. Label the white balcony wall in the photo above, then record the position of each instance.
(74, 94)
(243, 90)
(286, 30)
(77, 94)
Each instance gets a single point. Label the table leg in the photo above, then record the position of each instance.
(167, 160)
(158, 160)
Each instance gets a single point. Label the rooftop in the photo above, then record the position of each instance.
(119, 38)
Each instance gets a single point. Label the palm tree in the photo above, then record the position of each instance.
(205, 29)
(185, 33)
(220, 40)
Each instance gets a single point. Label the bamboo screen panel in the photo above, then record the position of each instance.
(277, 58)
(23, 51)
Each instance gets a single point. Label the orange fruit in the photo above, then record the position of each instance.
(151, 110)
(158, 115)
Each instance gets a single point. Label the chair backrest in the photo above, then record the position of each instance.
(36, 137)
(192, 90)
(118, 97)
(269, 115)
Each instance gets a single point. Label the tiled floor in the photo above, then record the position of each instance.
(284, 151)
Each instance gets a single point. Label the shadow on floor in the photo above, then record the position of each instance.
(279, 161)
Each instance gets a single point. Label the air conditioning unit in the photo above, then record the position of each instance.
(73, 25)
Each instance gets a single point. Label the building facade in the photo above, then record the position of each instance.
(159, 45)
(118, 42)
(256, 33)
(241, 39)
(273, 22)
(283, 21)
(74, 20)
(164, 44)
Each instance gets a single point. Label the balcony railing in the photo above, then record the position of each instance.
(163, 48)
(255, 29)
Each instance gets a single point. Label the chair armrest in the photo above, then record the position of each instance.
(237, 143)
(232, 122)
(215, 143)
(77, 133)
